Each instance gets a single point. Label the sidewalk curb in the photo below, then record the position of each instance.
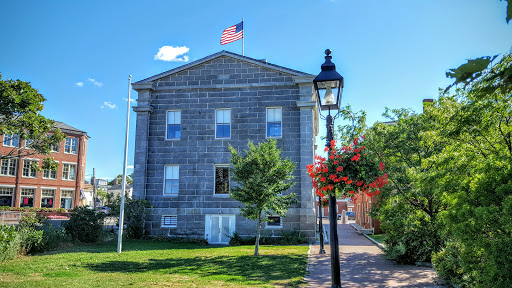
(382, 247)
(308, 267)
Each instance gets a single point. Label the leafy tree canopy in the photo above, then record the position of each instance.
(20, 105)
(261, 177)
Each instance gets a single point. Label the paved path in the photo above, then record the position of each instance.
(363, 265)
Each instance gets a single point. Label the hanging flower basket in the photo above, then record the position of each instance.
(347, 170)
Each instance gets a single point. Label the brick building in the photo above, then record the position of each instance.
(341, 205)
(22, 186)
(187, 117)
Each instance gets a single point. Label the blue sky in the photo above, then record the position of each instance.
(392, 53)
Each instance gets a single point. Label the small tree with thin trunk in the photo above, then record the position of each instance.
(262, 176)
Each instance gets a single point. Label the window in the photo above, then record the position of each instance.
(70, 145)
(11, 140)
(173, 124)
(27, 197)
(169, 221)
(28, 142)
(54, 148)
(8, 167)
(222, 123)
(68, 171)
(6, 196)
(222, 179)
(47, 198)
(66, 199)
(28, 170)
(172, 180)
(274, 122)
(49, 174)
(274, 222)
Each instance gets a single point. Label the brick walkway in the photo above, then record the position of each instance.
(363, 265)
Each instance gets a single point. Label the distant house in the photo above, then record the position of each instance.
(186, 119)
(116, 190)
(341, 205)
(22, 186)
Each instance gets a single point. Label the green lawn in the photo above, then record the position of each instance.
(379, 238)
(158, 264)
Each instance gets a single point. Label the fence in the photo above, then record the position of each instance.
(10, 217)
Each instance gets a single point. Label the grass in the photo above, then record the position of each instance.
(379, 238)
(159, 264)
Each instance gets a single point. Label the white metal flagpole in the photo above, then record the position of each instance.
(243, 38)
(121, 214)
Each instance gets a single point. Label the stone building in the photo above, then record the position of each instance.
(187, 117)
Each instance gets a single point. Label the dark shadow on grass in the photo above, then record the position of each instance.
(258, 269)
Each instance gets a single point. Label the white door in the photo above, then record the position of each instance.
(219, 228)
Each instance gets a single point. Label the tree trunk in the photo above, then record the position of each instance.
(257, 246)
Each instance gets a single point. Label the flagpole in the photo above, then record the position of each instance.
(243, 38)
(121, 213)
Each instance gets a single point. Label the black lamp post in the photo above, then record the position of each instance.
(320, 226)
(329, 86)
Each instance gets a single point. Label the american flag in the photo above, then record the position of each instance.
(233, 33)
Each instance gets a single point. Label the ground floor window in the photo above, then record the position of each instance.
(222, 179)
(47, 198)
(6, 196)
(169, 221)
(27, 197)
(66, 199)
(274, 222)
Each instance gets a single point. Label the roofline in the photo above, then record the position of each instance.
(220, 54)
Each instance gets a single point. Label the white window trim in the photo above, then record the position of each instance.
(62, 174)
(168, 226)
(56, 173)
(10, 140)
(15, 170)
(166, 120)
(50, 188)
(266, 123)
(30, 168)
(163, 191)
(230, 124)
(7, 186)
(71, 153)
(275, 227)
(214, 178)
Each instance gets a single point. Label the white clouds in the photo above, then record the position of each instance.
(171, 53)
(108, 105)
(79, 84)
(96, 83)
(132, 101)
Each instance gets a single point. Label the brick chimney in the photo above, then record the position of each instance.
(427, 102)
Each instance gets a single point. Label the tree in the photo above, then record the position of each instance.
(20, 120)
(119, 178)
(262, 176)
(479, 235)
(409, 207)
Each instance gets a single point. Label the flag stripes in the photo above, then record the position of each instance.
(233, 33)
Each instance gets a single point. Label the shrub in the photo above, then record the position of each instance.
(136, 214)
(53, 238)
(288, 238)
(85, 225)
(9, 243)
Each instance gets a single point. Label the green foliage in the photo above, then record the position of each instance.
(20, 105)
(136, 213)
(119, 178)
(288, 238)
(53, 238)
(9, 243)
(32, 209)
(261, 176)
(85, 225)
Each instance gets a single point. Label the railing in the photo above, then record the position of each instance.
(10, 217)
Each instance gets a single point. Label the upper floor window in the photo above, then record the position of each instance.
(28, 170)
(172, 180)
(70, 145)
(173, 124)
(274, 122)
(11, 140)
(222, 179)
(28, 142)
(49, 174)
(8, 167)
(222, 123)
(68, 171)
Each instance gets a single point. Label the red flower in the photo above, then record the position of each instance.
(351, 192)
(356, 158)
(363, 136)
(356, 141)
(349, 182)
(326, 149)
(330, 186)
(381, 166)
(369, 194)
(339, 169)
(335, 162)
(322, 179)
